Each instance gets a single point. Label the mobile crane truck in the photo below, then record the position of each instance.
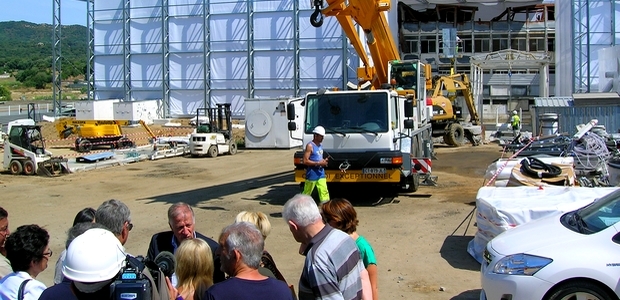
(374, 134)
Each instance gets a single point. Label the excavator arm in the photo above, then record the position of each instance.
(370, 16)
(452, 84)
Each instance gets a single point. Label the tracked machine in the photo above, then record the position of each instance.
(98, 133)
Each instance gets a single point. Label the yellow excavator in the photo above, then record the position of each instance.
(448, 119)
(98, 133)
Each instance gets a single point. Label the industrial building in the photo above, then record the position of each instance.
(196, 53)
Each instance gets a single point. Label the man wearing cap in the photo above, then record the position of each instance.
(315, 173)
(93, 261)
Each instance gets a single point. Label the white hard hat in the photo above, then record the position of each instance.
(319, 130)
(514, 112)
(94, 256)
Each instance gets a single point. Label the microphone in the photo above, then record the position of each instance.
(165, 261)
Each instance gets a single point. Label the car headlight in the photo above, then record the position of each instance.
(520, 264)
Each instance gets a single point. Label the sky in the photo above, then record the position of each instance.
(72, 12)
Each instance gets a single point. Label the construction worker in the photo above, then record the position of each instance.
(515, 123)
(315, 173)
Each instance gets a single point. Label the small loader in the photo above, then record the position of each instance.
(213, 134)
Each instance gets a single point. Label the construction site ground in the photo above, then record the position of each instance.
(420, 256)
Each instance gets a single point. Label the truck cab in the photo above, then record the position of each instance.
(372, 136)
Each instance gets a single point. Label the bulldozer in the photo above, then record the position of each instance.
(25, 153)
(98, 133)
(213, 134)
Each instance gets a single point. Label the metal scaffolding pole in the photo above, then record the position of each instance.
(127, 51)
(56, 58)
(296, 80)
(250, 49)
(90, 63)
(207, 52)
(581, 46)
(166, 60)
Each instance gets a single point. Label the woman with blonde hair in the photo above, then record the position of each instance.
(194, 270)
(260, 220)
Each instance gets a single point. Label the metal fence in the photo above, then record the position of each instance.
(570, 117)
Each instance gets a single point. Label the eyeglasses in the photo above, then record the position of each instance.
(129, 226)
(48, 254)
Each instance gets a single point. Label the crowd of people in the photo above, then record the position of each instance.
(339, 263)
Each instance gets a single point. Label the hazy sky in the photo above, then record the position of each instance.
(40, 11)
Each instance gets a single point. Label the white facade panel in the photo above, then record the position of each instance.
(146, 35)
(186, 70)
(235, 98)
(108, 37)
(145, 9)
(108, 72)
(186, 34)
(146, 71)
(185, 102)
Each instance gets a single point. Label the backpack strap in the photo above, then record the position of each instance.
(20, 292)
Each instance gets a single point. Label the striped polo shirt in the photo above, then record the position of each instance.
(332, 268)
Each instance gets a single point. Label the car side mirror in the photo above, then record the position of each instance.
(292, 126)
(408, 123)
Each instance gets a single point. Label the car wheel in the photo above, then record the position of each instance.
(580, 290)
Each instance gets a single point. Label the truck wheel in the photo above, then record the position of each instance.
(84, 146)
(455, 135)
(232, 148)
(413, 183)
(29, 167)
(212, 152)
(15, 167)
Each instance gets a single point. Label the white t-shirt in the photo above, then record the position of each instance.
(9, 286)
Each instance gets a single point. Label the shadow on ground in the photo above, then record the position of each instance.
(454, 251)
(468, 295)
(280, 190)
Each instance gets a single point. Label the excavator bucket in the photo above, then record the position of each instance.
(53, 167)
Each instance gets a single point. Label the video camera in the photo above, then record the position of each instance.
(135, 281)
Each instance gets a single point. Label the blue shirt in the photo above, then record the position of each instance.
(239, 289)
(315, 172)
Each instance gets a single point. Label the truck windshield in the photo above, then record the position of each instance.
(343, 113)
(406, 75)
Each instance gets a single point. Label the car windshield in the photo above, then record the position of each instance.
(343, 113)
(601, 214)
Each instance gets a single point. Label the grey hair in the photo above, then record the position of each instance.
(178, 208)
(78, 229)
(248, 240)
(113, 214)
(302, 210)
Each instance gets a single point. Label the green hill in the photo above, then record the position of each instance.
(28, 46)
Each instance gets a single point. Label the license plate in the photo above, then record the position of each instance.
(373, 171)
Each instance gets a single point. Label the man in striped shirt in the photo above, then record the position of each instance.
(333, 266)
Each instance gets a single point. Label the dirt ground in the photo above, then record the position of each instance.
(420, 239)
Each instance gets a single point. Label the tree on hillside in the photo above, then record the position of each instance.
(5, 94)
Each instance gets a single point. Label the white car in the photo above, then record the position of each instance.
(568, 256)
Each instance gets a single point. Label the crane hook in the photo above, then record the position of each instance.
(316, 19)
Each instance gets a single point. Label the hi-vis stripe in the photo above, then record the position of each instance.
(425, 165)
